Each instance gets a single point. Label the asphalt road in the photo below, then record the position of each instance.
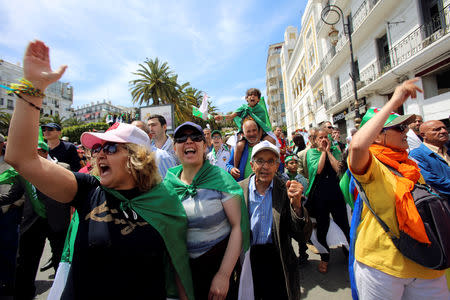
(334, 285)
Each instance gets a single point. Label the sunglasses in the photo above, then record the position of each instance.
(194, 137)
(398, 128)
(108, 148)
(44, 129)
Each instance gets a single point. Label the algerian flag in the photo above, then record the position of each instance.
(202, 111)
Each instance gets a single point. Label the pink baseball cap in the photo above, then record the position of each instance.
(118, 133)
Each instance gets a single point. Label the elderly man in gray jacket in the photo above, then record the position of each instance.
(276, 214)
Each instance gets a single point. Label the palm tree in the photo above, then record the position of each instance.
(5, 119)
(156, 81)
(51, 119)
(72, 122)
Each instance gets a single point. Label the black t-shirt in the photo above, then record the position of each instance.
(67, 153)
(117, 255)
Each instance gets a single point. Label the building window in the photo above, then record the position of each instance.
(383, 53)
(292, 36)
(10, 104)
(2, 101)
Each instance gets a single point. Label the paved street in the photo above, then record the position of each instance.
(334, 285)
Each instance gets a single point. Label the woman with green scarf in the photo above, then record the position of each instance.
(217, 222)
(324, 194)
(131, 238)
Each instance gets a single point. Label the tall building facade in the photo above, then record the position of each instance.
(392, 41)
(58, 96)
(274, 86)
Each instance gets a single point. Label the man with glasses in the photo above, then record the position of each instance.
(276, 215)
(220, 154)
(61, 150)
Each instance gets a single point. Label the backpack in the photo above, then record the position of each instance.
(435, 213)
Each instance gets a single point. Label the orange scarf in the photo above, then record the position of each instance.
(409, 220)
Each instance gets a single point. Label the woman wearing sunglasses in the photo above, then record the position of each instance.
(379, 161)
(213, 202)
(132, 230)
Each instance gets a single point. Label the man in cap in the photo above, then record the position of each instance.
(276, 215)
(61, 150)
(381, 271)
(433, 157)
(220, 154)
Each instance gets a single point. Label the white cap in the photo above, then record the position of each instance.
(118, 133)
(265, 145)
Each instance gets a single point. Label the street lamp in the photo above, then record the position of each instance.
(335, 10)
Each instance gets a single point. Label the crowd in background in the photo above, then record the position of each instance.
(212, 216)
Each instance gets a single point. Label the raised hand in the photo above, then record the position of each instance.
(295, 191)
(36, 66)
(404, 91)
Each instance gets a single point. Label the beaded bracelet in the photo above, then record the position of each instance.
(25, 87)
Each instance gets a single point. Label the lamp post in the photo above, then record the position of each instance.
(333, 34)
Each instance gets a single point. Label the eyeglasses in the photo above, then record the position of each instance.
(271, 162)
(44, 129)
(194, 137)
(330, 127)
(108, 148)
(398, 128)
(216, 137)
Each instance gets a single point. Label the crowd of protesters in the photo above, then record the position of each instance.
(197, 216)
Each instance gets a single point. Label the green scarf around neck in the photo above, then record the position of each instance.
(212, 178)
(160, 208)
(258, 113)
(312, 159)
(10, 176)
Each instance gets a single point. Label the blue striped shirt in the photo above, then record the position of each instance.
(261, 218)
(207, 222)
(164, 161)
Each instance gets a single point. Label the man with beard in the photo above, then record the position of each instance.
(252, 133)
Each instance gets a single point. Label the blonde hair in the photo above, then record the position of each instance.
(141, 165)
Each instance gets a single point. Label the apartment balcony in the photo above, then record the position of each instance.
(362, 12)
(422, 45)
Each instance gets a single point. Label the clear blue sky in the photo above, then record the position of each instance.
(220, 47)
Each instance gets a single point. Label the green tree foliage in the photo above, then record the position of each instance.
(72, 122)
(5, 119)
(74, 132)
(157, 84)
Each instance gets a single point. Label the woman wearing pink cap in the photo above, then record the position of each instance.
(130, 224)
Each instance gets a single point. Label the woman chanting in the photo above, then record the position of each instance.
(324, 194)
(213, 203)
(131, 237)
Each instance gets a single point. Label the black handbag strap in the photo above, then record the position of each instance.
(363, 195)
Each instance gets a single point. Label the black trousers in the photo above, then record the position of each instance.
(268, 276)
(31, 246)
(205, 267)
(323, 206)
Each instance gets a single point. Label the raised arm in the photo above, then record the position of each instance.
(21, 151)
(359, 156)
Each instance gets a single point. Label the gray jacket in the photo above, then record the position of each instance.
(286, 225)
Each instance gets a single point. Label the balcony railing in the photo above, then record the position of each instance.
(332, 100)
(415, 42)
(362, 12)
(327, 58)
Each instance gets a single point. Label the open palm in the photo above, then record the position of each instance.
(36, 66)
